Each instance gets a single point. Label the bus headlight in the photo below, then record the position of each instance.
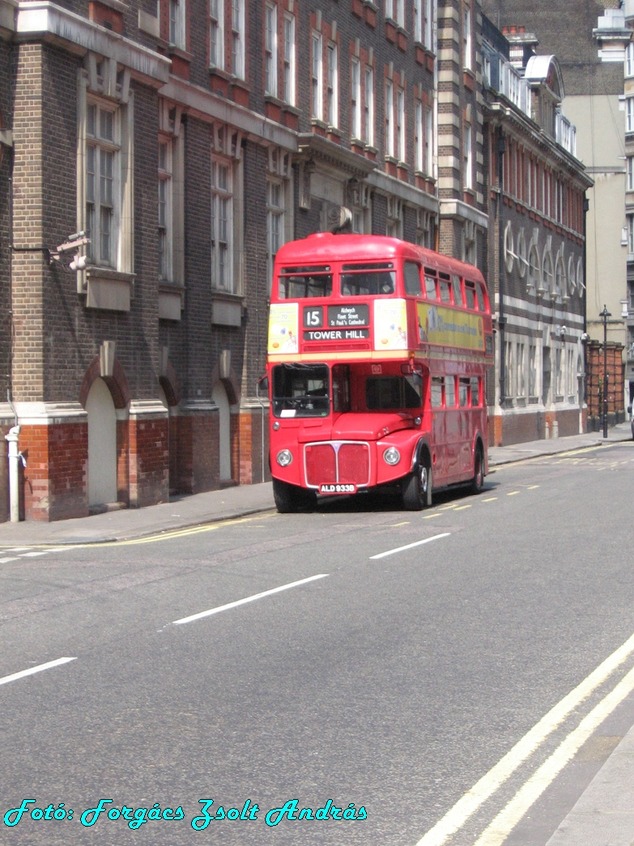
(391, 456)
(284, 457)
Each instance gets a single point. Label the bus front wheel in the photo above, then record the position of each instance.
(289, 499)
(417, 487)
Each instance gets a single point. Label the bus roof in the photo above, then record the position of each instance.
(328, 247)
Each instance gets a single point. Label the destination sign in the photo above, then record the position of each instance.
(336, 334)
(348, 315)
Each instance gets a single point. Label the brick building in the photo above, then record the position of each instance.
(182, 143)
(536, 243)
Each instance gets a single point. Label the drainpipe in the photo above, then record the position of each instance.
(14, 474)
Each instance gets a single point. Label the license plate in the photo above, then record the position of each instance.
(337, 489)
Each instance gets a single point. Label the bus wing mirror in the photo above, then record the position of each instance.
(263, 387)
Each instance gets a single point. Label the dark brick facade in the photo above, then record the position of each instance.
(174, 381)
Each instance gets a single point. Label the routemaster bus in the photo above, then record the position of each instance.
(377, 356)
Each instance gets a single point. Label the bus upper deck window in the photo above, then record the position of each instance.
(457, 290)
(471, 295)
(412, 278)
(480, 298)
(445, 290)
(430, 287)
(366, 281)
(296, 283)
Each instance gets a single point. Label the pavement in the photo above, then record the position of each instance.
(604, 814)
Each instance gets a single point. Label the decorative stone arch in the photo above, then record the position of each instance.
(104, 392)
(169, 381)
(226, 397)
(114, 377)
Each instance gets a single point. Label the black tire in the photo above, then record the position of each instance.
(289, 499)
(417, 487)
(477, 482)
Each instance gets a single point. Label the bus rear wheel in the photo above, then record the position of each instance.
(417, 487)
(477, 483)
(289, 499)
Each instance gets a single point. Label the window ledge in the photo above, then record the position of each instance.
(226, 308)
(108, 290)
(171, 300)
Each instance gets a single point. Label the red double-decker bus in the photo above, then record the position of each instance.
(377, 355)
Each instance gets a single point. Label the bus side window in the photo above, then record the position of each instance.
(471, 294)
(480, 298)
(437, 384)
(450, 392)
(463, 392)
(430, 287)
(445, 290)
(475, 392)
(457, 290)
(412, 278)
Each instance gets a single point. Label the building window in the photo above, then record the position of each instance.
(368, 105)
(630, 235)
(332, 88)
(270, 49)
(177, 19)
(419, 21)
(221, 225)
(355, 97)
(400, 125)
(317, 77)
(468, 158)
(216, 34)
(278, 205)
(389, 118)
(466, 39)
(165, 184)
(629, 114)
(289, 60)
(629, 59)
(394, 10)
(103, 163)
(170, 195)
(630, 173)
(237, 38)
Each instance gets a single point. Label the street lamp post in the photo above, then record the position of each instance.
(604, 315)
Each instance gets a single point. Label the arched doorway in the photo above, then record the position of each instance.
(102, 445)
(220, 398)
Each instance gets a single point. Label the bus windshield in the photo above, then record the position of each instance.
(300, 390)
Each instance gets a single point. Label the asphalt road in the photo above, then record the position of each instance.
(362, 658)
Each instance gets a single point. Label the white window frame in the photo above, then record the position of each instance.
(629, 181)
(629, 114)
(216, 33)
(332, 84)
(221, 226)
(467, 43)
(629, 59)
(317, 76)
(400, 124)
(238, 38)
(356, 113)
(165, 207)
(389, 118)
(178, 23)
(270, 49)
(289, 59)
(468, 157)
(368, 105)
(103, 207)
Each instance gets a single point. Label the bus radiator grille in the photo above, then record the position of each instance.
(339, 462)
